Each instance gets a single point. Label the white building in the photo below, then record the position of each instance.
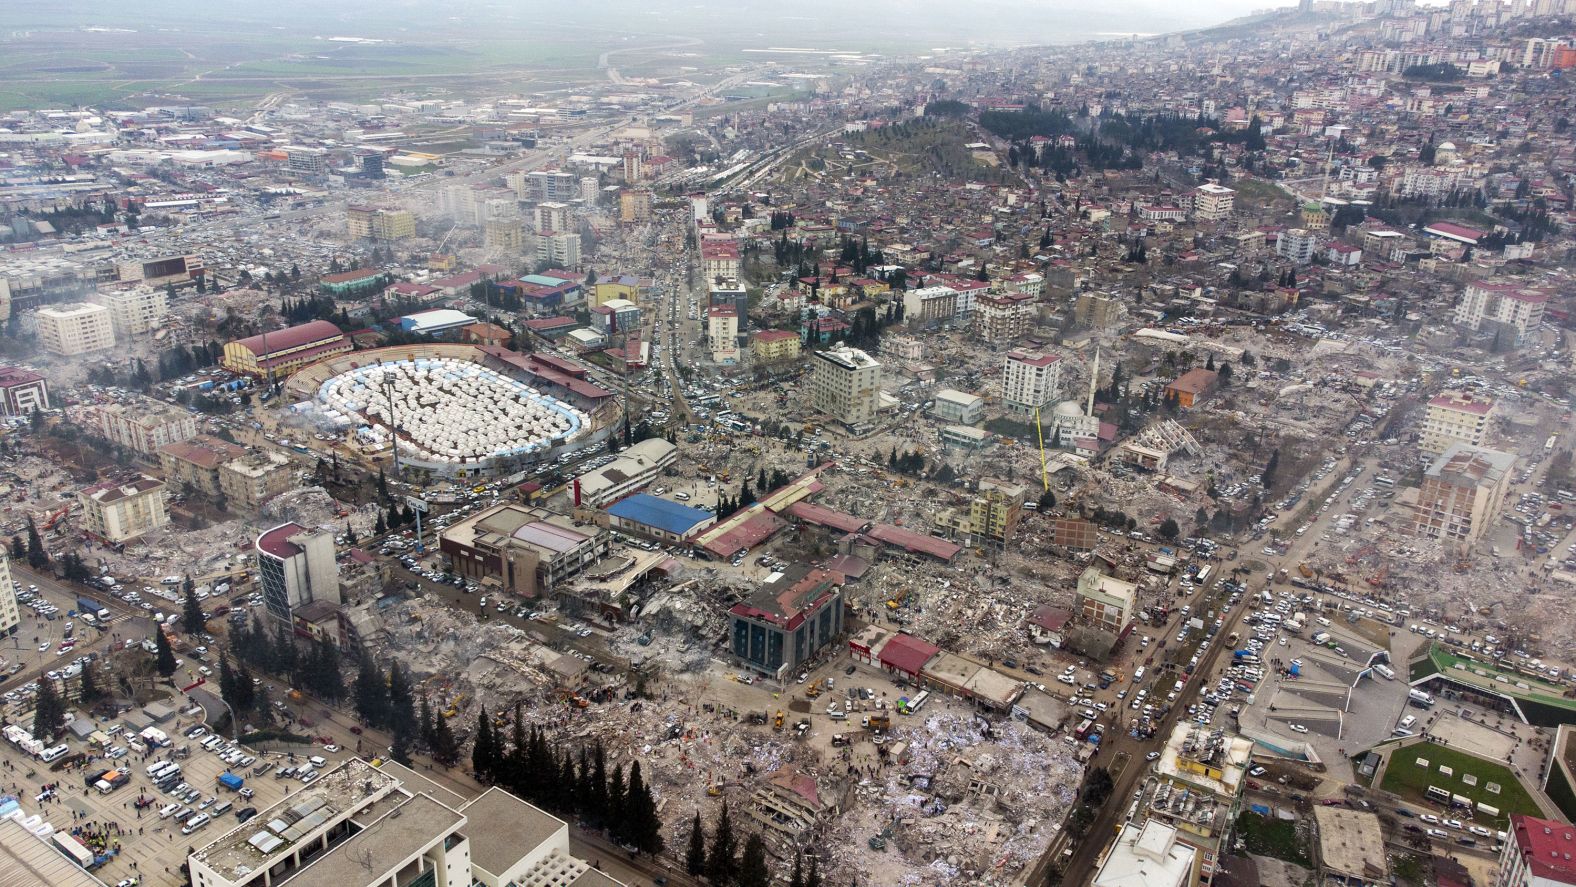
(632, 471)
(135, 311)
(296, 566)
(1213, 203)
(1537, 853)
(145, 426)
(1515, 309)
(845, 383)
(958, 407)
(722, 333)
(75, 328)
(1147, 855)
(10, 613)
(1297, 245)
(120, 512)
(1029, 381)
(1454, 416)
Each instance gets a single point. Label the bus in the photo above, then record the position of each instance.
(918, 702)
(1083, 728)
(1435, 793)
(1203, 575)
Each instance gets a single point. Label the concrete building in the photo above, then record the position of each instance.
(388, 826)
(10, 612)
(719, 258)
(634, 206)
(246, 483)
(1097, 311)
(788, 620)
(958, 407)
(295, 567)
(616, 316)
(1003, 318)
(373, 223)
(845, 384)
(74, 328)
(1213, 203)
(1145, 855)
(1454, 416)
(145, 427)
(722, 333)
(774, 345)
(623, 287)
(1297, 245)
(662, 520)
(1197, 790)
(633, 470)
(22, 392)
(546, 185)
(1508, 310)
(195, 463)
(136, 311)
(157, 272)
(506, 236)
(991, 517)
(521, 550)
(443, 323)
(117, 512)
(279, 353)
(1193, 386)
(560, 248)
(1537, 853)
(1105, 602)
(1462, 494)
(551, 215)
(929, 306)
(1030, 381)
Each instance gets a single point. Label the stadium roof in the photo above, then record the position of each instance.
(664, 514)
(291, 337)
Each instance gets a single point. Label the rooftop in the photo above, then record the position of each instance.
(664, 514)
(382, 846)
(787, 597)
(1463, 464)
(29, 861)
(503, 828)
(848, 358)
(1033, 358)
(277, 540)
(1147, 856)
(114, 491)
(1547, 847)
(290, 337)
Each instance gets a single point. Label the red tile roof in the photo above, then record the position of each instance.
(907, 653)
(1547, 847)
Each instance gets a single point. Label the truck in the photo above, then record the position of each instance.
(73, 849)
(1320, 637)
(231, 781)
(90, 607)
(112, 780)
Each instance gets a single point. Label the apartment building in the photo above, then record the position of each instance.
(616, 316)
(991, 517)
(719, 257)
(296, 566)
(1455, 416)
(74, 328)
(561, 249)
(22, 392)
(10, 612)
(545, 185)
(116, 512)
(1537, 853)
(722, 333)
(774, 345)
(1509, 310)
(373, 223)
(1098, 311)
(929, 306)
(1104, 602)
(135, 311)
(1030, 381)
(504, 235)
(1003, 318)
(195, 463)
(1462, 494)
(1213, 202)
(144, 426)
(551, 215)
(246, 483)
(634, 206)
(845, 384)
(1197, 790)
(1146, 853)
(1297, 245)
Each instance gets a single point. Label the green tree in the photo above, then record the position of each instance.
(484, 751)
(445, 748)
(813, 879)
(1169, 530)
(722, 863)
(192, 621)
(18, 548)
(164, 657)
(371, 694)
(695, 855)
(49, 711)
(91, 690)
(645, 827)
(37, 555)
(752, 864)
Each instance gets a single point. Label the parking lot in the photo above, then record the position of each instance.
(150, 845)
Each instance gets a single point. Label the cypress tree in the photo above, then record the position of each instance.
(164, 655)
(695, 856)
(645, 827)
(813, 879)
(49, 713)
(426, 724)
(599, 795)
(371, 693)
(721, 859)
(483, 751)
(617, 814)
(752, 870)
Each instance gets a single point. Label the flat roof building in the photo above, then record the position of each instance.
(526, 551)
(118, 512)
(845, 384)
(145, 426)
(1030, 381)
(75, 328)
(1105, 601)
(790, 618)
(958, 407)
(296, 566)
(1147, 855)
(1462, 493)
(661, 519)
(634, 469)
(22, 392)
(1454, 416)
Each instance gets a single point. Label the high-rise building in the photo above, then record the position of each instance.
(1003, 318)
(1197, 788)
(549, 184)
(552, 216)
(845, 383)
(309, 162)
(1297, 245)
(1537, 853)
(506, 236)
(559, 249)
(136, 310)
(145, 426)
(1030, 381)
(10, 613)
(295, 567)
(1512, 311)
(991, 518)
(1455, 416)
(634, 205)
(722, 333)
(253, 479)
(1462, 493)
(373, 223)
(75, 328)
(121, 511)
(634, 168)
(727, 291)
(22, 392)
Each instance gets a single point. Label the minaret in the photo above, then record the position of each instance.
(1094, 380)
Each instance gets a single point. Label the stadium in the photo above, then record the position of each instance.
(453, 409)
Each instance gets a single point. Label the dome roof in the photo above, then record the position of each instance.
(1446, 146)
(1069, 408)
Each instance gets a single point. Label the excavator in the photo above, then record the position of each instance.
(777, 722)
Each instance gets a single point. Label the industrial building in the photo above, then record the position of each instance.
(845, 384)
(788, 620)
(662, 520)
(437, 323)
(75, 328)
(522, 550)
(295, 567)
(118, 512)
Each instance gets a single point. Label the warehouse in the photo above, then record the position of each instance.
(645, 515)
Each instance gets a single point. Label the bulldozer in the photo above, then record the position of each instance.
(777, 722)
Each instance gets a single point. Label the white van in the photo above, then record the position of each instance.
(168, 810)
(53, 754)
(221, 808)
(196, 823)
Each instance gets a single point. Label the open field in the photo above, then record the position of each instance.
(1405, 777)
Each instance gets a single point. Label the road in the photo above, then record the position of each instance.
(23, 647)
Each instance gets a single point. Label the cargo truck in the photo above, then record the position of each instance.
(90, 607)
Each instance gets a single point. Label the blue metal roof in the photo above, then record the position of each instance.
(663, 514)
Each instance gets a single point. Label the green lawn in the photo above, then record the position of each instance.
(1404, 777)
(1277, 838)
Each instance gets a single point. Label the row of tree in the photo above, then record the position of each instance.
(568, 784)
(720, 861)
